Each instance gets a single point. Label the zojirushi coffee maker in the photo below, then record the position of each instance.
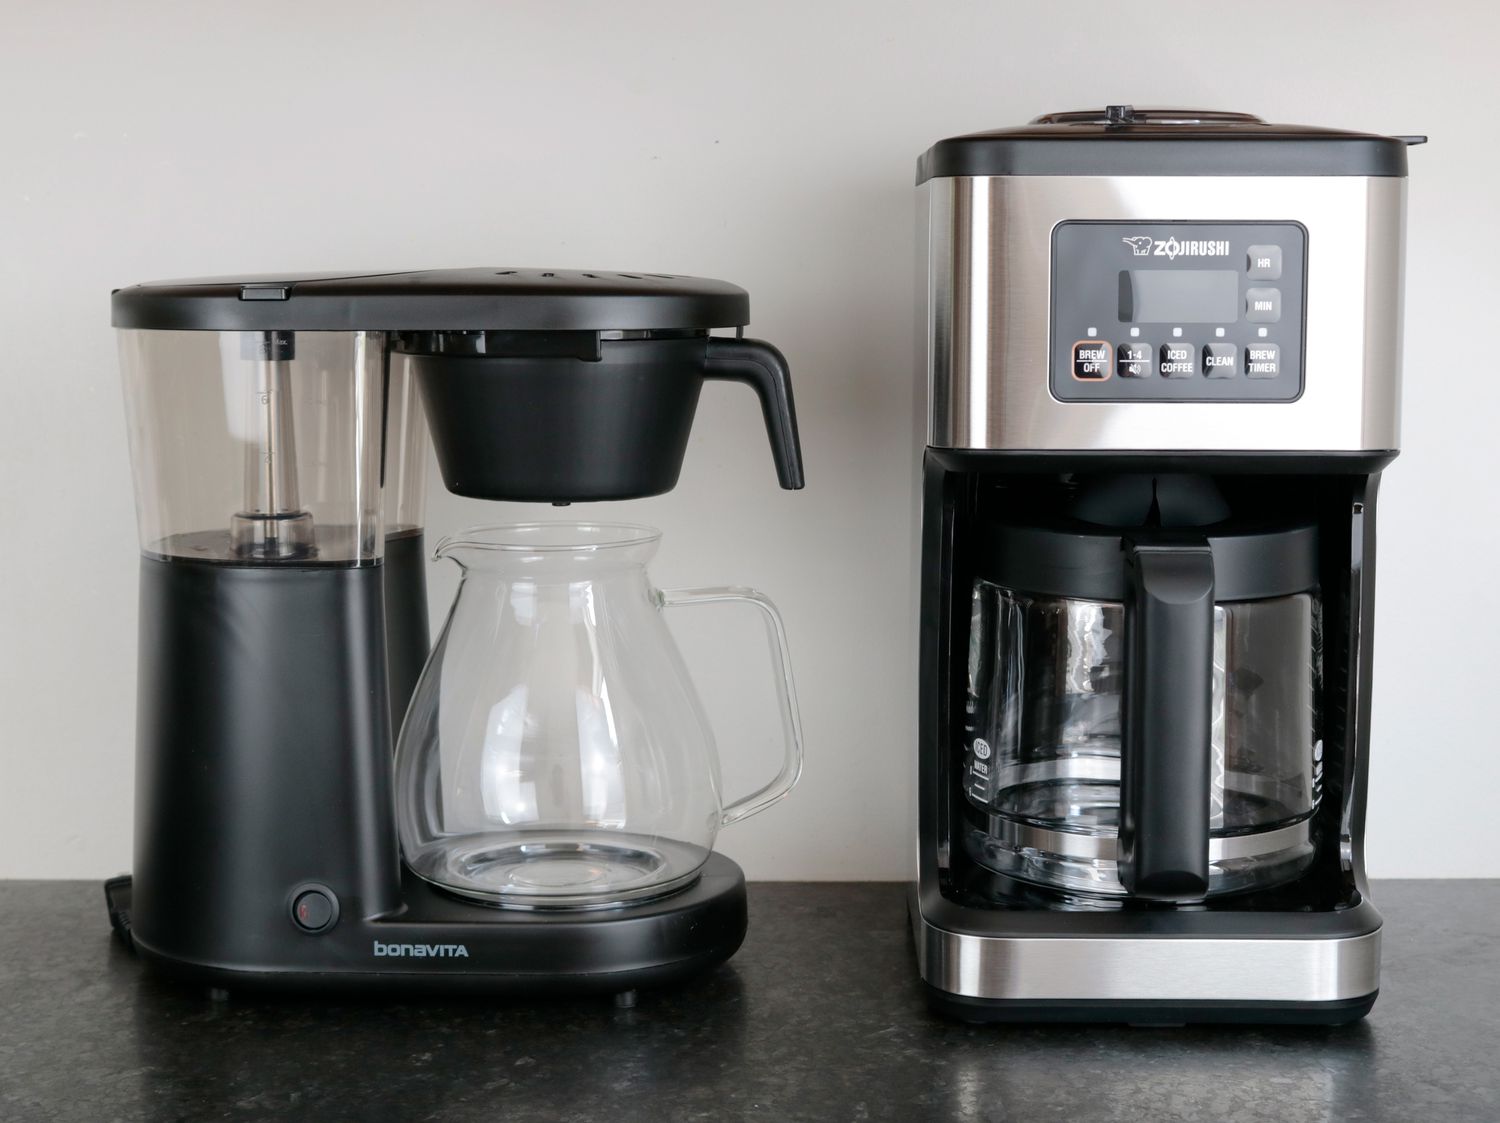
(558, 796)
(1164, 351)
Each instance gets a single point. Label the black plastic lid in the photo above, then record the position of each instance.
(1123, 140)
(1076, 560)
(435, 300)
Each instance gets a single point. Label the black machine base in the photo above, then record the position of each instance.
(440, 944)
(985, 1011)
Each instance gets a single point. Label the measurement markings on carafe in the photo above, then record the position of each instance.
(1178, 311)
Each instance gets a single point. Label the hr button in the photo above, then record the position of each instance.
(1264, 263)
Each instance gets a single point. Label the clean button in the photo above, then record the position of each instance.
(1220, 360)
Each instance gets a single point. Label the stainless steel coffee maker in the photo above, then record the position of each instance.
(1163, 353)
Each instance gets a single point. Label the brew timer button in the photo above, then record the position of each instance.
(1091, 360)
(1263, 263)
(314, 908)
(1262, 360)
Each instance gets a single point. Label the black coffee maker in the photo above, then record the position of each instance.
(1164, 352)
(278, 433)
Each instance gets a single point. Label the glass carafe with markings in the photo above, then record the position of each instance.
(1142, 717)
(556, 754)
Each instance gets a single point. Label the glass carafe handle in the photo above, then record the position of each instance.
(1167, 719)
(786, 692)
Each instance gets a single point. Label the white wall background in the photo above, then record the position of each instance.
(771, 144)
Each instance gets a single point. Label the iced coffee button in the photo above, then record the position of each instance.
(1177, 361)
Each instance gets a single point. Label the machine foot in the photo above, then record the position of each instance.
(625, 1000)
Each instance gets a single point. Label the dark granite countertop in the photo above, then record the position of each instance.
(819, 1017)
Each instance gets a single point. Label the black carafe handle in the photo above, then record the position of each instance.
(765, 370)
(1165, 728)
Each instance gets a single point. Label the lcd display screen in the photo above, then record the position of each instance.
(1179, 296)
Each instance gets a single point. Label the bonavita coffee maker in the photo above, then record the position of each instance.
(561, 796)
(1164, 359)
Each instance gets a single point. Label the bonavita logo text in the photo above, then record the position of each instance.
(423, 951)
(1143, 245)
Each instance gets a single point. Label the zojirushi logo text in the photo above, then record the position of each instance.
(1143, 245)
(423, 951)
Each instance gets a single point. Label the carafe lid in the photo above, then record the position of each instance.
(500, 299)
(1076, 547)
(1088, 563)
(1121, 140)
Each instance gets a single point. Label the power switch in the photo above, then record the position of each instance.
(314, 909)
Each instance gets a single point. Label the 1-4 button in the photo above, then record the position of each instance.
(1091, 360)
(1176, 361)
(1133, 360)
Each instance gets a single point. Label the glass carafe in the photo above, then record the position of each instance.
(1142, 716)
(556, 753)
(1042, 755)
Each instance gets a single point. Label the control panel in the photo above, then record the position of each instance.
(1178, 311)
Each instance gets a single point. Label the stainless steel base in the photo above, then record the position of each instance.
(1147, 968)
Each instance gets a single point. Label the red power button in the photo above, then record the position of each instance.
(314, 909)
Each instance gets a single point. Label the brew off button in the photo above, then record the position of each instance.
(1091, 360)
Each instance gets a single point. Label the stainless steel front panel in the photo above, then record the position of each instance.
(988, 314)
(1155, 969)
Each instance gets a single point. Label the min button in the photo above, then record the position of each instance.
(1263, 306)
